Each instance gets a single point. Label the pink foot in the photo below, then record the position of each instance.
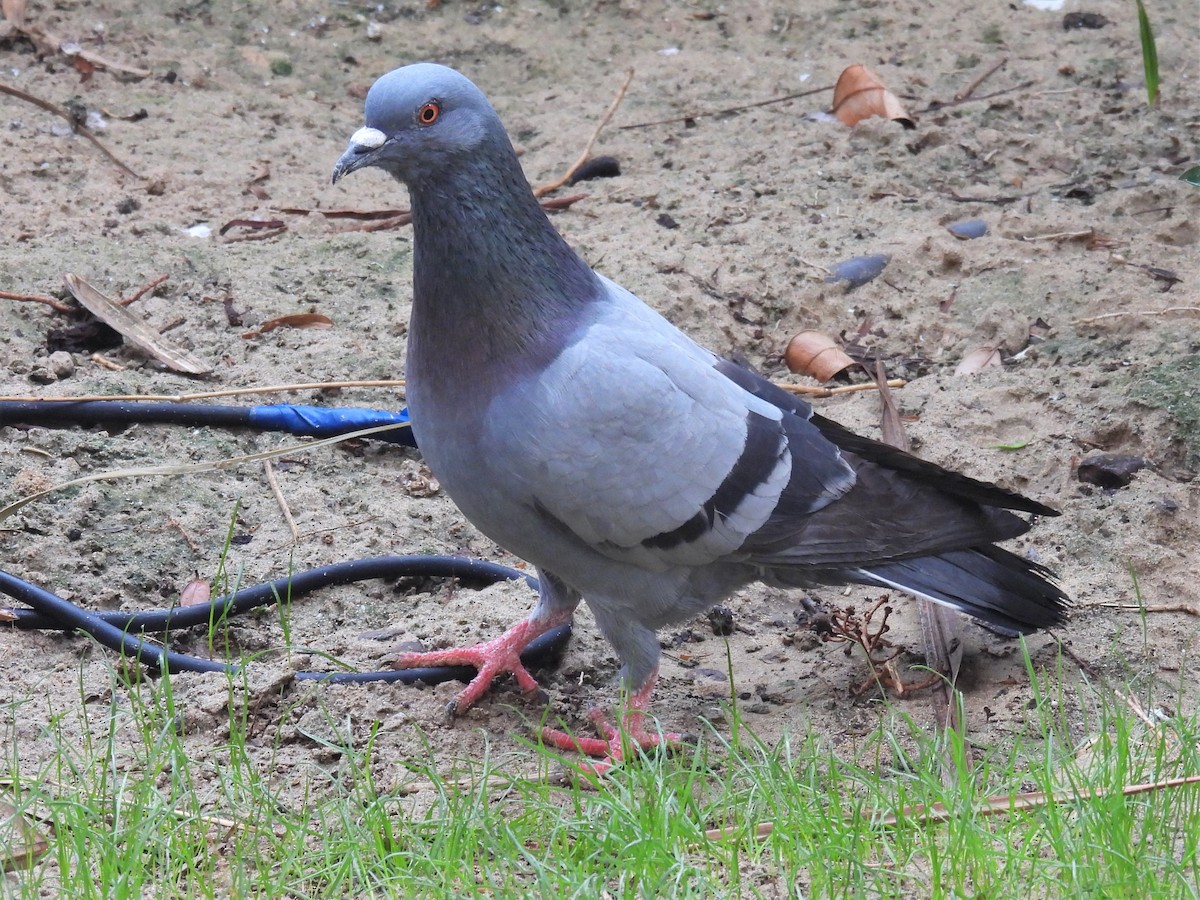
(614, 743)
(493, 658)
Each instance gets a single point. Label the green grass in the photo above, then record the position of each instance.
(129, 811)
(1149, 54)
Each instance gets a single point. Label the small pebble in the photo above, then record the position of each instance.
(721, 620)
(1110, 470)
(61, 364)
(1073, 20)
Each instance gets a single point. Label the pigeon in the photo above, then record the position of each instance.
(636, 470)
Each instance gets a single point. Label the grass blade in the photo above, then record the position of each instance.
(1149, 54)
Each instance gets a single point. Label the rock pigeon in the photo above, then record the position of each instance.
(638, 471)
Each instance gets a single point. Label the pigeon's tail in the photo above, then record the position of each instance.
(985, 582)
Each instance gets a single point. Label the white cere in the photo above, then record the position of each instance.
(368, 137)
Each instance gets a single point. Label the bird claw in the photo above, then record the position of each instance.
(499, 656)
(615, 744)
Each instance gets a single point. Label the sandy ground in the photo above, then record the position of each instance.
(724, 223)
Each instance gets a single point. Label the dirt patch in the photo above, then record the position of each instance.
(725, 223)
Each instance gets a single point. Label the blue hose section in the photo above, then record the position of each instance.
(310, 421)
(321, 421)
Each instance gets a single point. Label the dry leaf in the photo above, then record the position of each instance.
(294, 320)
(266, 224)
(975, 361)
(20, 843)
(197, 592)
(134, 329)
(816, 354)
(890, 424)
(84, 67)
(14, 12)
(859, 94)
(7, 616)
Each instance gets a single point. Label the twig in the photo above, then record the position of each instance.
(382, 383)
(187, 538)
(374, 223)
(997, 201)
(965, 93)
(587, 149)
(250, 224)
(554, 204)
(1059, 236)
(937, 104)
(212, 395)
(820, 392)
(993, 806)
(1191, 610)
(143, 290)
(77, 126)
(105, 363)
(1002, 805)
(732, 109)
(1139, 312)
(256, 235)
(404, 218)
(280, 499)
(38, 298)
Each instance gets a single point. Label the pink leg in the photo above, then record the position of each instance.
(613, 741)
(493, 658)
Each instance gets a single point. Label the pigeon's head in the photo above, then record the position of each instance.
(420, 119)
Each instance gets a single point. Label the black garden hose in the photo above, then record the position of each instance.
(121, 631)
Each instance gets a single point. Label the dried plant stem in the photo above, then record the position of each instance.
(78, 127)
(808, 390)
(992, 806)
(965, 93)
(824, 89)
(587, 149)
(1169, 311)
(143, 290)
(212, 395)
(38, 298)
(814, 391)
(269, 469)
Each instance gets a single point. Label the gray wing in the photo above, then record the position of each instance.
(636, 441)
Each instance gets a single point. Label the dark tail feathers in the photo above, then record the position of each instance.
(985, 582)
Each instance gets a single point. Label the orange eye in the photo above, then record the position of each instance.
(428, 114)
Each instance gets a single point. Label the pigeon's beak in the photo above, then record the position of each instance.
(360, 153)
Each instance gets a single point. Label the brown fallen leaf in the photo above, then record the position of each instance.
(85, 68)
(976, 360)
(293, 320)
(265, 224)
(817, 355)
(14, 11)
(255, 185)
(20, 843)
(134, 329)
(7, 616)
(859, 94)
(369, 214)
(890, 424)
(197, 592)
